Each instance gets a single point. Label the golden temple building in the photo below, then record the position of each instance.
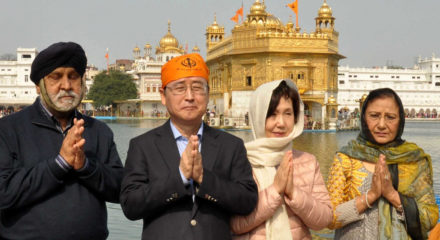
(263, 49)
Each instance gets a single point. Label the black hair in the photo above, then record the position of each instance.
(288, 93)
(383, 93)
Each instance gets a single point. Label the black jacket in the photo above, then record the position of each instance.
(38, 199)
(153, 190)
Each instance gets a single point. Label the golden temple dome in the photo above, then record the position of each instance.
(136, 49)
(272, 21)
(147, 45)
(325, 10)
(169, 40)
(214, 25)
(196, 49)
(331, 99)
(258, 8)
(364, 97)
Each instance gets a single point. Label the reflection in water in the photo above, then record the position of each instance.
(322, 145)
(326, 143)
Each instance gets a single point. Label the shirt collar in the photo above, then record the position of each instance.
(45, 110)
(178, 135)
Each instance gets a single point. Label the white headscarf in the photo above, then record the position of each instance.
(265, 153)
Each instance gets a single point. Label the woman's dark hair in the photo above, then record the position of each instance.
(383, 93)
(289, 93)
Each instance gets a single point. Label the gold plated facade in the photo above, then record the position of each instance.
(263, 49)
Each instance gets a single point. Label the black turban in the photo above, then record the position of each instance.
(62, 54)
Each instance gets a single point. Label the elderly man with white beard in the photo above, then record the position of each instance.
(57, 167)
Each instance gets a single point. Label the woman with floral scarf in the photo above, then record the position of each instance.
(380, 185)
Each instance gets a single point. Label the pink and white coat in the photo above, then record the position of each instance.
(309, 208)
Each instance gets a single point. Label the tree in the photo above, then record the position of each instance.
(107, 88)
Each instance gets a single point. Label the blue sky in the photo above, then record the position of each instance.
(372, 33)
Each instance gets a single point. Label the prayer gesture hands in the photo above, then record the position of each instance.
(388, 190)
(191, 160)
(283, 178)
(72, 147)
(376, 186)
(382, 184)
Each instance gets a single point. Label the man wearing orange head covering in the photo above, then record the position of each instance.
(185, 179)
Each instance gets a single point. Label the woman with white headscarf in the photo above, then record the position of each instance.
(292, 193)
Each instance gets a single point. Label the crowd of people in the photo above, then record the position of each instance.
(186, 180)
(6, 112)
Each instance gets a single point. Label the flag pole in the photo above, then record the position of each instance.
(294, 7)
(242, 9)
(297, 14)
(107, 57)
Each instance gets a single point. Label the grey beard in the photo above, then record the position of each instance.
(48, 102)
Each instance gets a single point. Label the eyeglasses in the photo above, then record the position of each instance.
(181, 88)
(375, 116)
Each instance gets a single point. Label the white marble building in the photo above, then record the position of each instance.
(16, 87)
(146, 71)
(418, 87)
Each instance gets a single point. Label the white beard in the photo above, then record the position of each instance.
(65, 105)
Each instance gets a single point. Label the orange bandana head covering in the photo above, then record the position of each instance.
(189, 65)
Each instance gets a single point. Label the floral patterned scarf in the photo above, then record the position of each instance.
(411, 173)
(414, 186)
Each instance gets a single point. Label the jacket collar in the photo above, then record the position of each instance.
(40, 117)
(210, 147)
(166, 144)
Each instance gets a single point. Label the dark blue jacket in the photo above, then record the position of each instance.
(40, 200)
